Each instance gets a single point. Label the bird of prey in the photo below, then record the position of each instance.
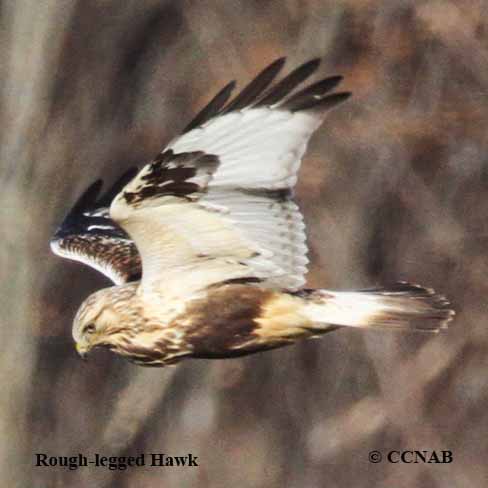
(206, 246)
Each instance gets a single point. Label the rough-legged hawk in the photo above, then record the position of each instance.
(207, 247)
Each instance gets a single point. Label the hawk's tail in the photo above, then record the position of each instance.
(400, 306)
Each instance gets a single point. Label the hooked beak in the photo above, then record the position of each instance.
(82, 351)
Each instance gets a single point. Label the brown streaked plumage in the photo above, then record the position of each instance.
(212, 226)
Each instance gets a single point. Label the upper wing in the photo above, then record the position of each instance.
(216, 204)
(90, 236)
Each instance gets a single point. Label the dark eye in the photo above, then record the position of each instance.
(89, 329)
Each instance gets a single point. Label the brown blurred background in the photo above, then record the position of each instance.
(394, 187)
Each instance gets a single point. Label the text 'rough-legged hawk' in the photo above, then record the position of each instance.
(206, 246)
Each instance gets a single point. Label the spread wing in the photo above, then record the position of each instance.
(90, 236)
(216, 204)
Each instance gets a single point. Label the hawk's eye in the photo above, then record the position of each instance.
(89, 329)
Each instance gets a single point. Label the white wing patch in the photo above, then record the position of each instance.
(257, 148)
(274, 227)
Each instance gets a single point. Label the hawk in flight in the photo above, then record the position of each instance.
(206, 246)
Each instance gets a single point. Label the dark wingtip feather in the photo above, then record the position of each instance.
(87, 199)
(313, 92)
(81, 216)
(212, 108)
(289, 83)
(256, 87)
(259, 93)
(85, 202)
(322, 103)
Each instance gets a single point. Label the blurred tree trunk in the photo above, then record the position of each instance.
(27, 38)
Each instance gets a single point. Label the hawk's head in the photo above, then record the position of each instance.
(100, 319)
